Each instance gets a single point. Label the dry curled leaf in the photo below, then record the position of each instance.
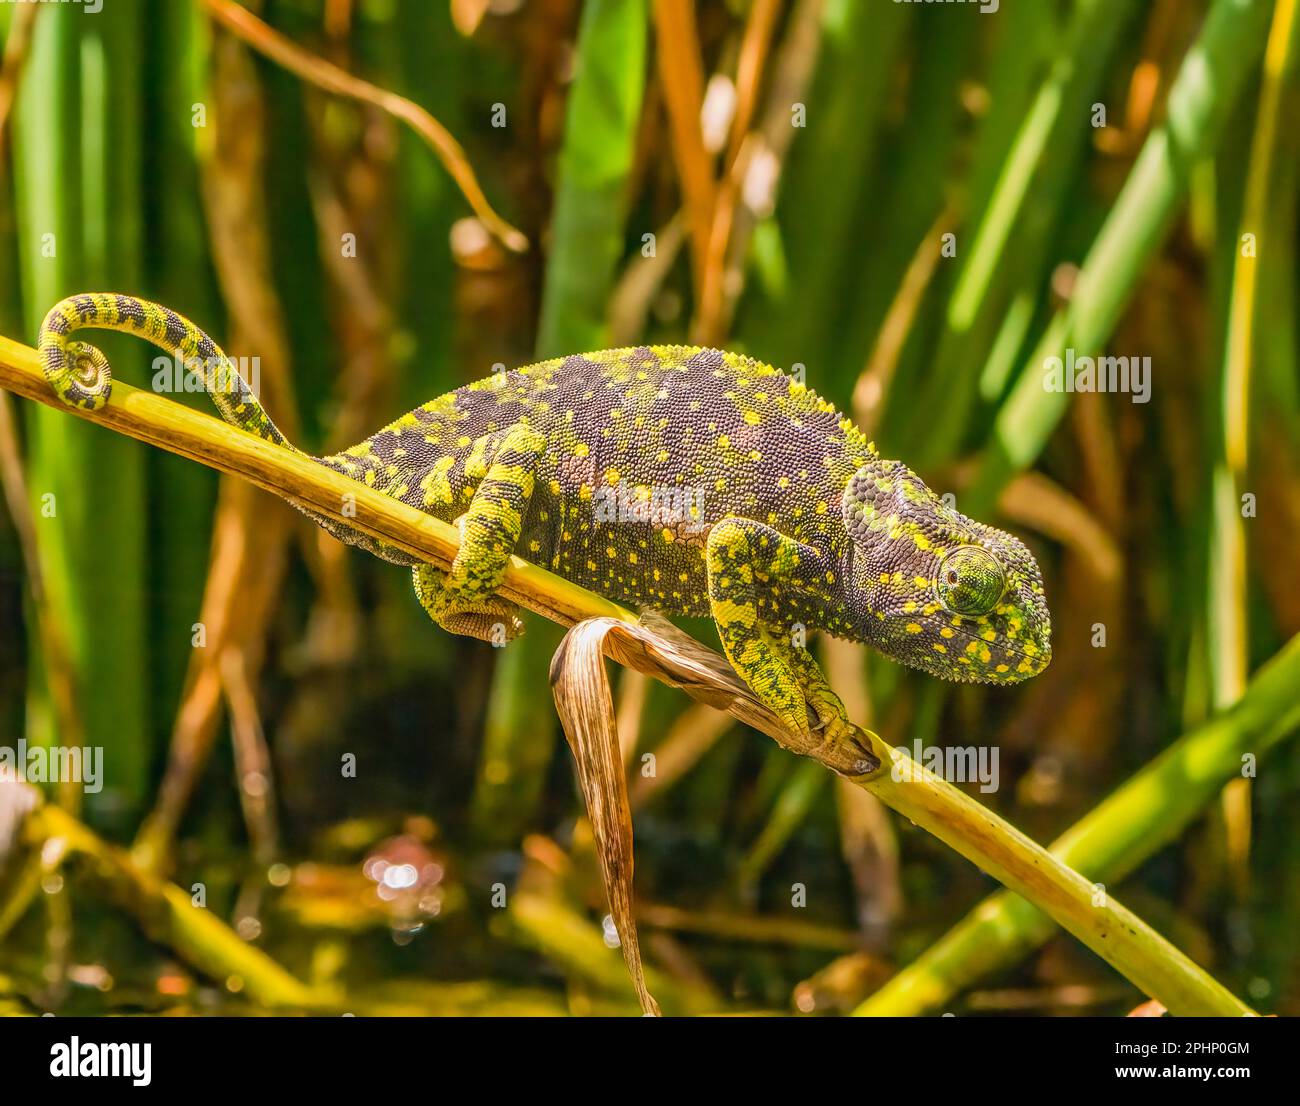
(585, 704)
(586, 708)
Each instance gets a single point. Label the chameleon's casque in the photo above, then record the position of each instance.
(687, 480)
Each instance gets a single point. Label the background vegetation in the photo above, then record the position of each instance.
(916, 203)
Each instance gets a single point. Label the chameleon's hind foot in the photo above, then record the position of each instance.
(491, 619)
(498, 623)
(464, 600)
(779, 670)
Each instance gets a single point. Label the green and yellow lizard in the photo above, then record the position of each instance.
(686, 480)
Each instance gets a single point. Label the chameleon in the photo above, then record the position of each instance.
(685, 480)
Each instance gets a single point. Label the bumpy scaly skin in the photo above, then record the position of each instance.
(687, 480)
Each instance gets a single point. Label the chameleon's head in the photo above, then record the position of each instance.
(937, 590)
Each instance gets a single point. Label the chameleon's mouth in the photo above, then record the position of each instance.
(1019, 664)
(1024, 668)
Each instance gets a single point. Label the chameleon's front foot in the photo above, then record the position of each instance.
(769, 658)
(789, 682)
(833, 726)
(818, 711)
(832, 719)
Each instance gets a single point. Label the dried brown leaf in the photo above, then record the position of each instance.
(586, 708)
(585, 704)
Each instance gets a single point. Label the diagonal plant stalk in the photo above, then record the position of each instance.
(165, 912)
(1112, 840)
(1117, 935)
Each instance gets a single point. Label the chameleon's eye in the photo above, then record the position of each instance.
(970, 581)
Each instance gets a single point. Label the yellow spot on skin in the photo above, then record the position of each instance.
(668, 535)
(947, 631)
(581, 450)
(783, 482)
(909, 606)
(1003, 668)
(940, 648)
(612, 476)
(920, 581)
(884, 577)
(913, 628)
(723, 441)
(989, 635)
(632, 558)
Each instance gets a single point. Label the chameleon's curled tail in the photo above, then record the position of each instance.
(79, 373)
